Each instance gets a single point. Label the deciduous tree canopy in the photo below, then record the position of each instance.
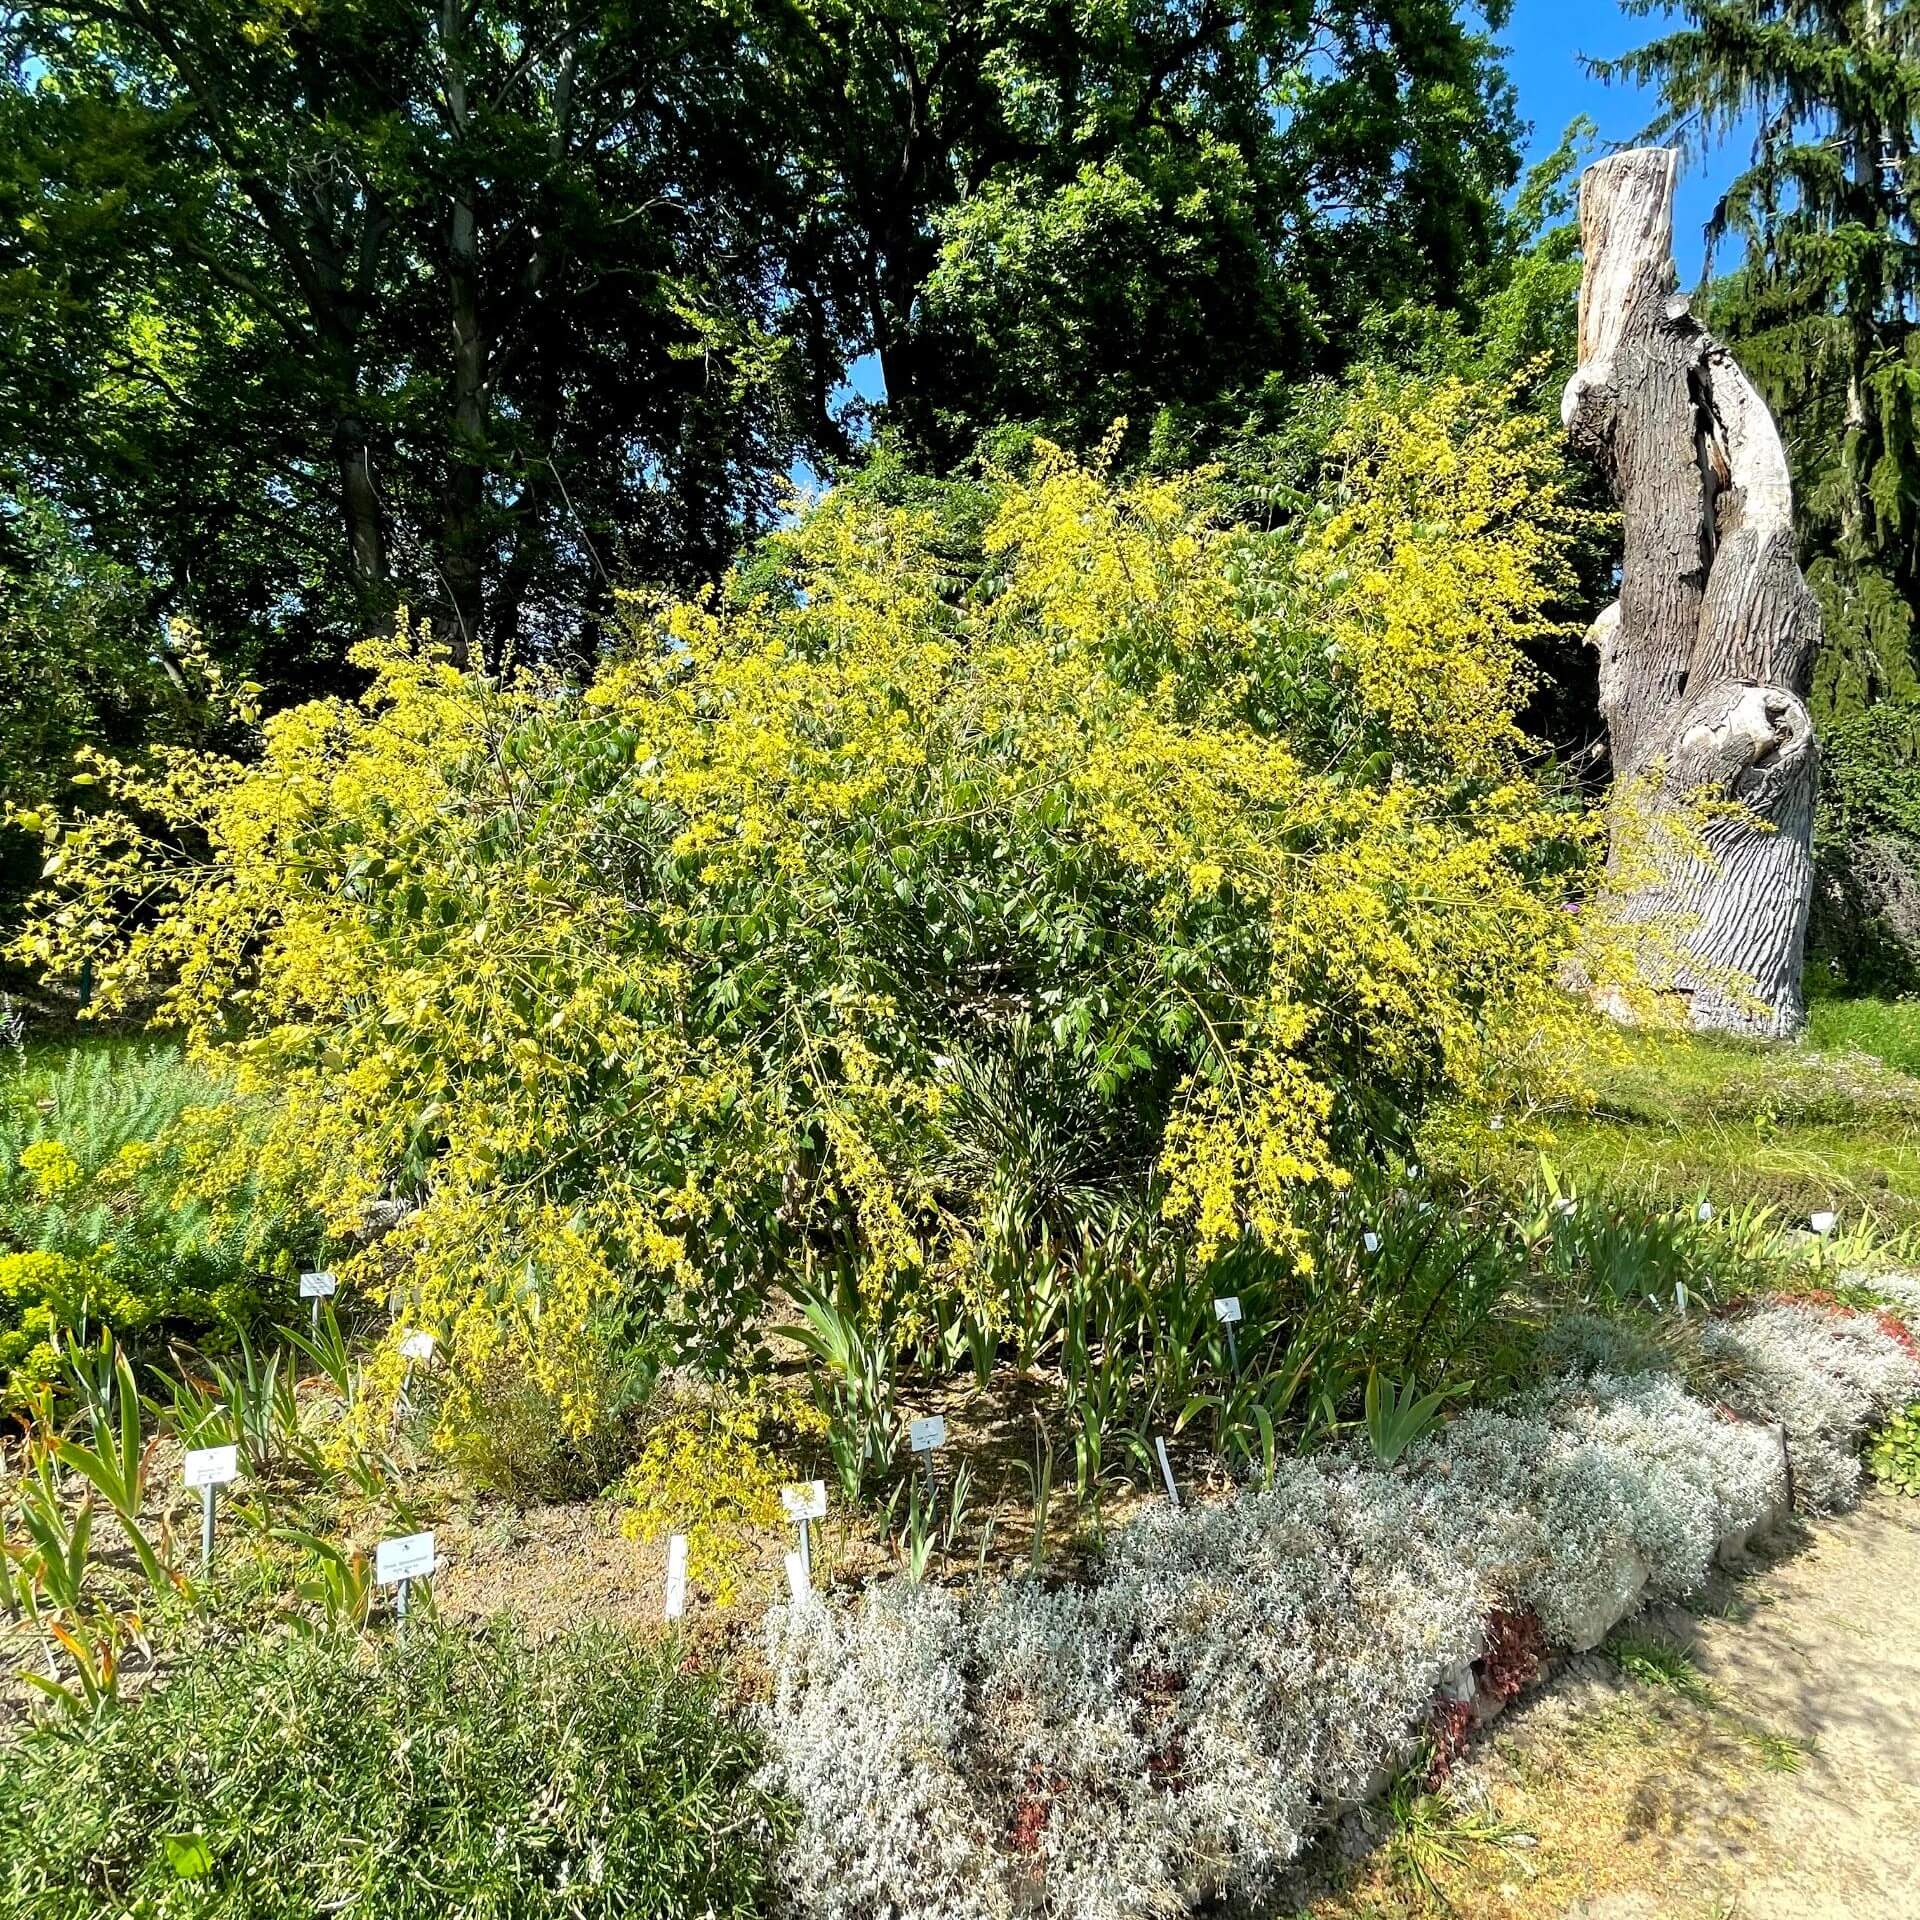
(310, 309)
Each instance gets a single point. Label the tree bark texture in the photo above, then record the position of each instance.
(1705, 657)
(462, 561)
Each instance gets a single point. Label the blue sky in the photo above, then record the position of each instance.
(1547, 39)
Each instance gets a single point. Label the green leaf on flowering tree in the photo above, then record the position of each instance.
(189, 1855)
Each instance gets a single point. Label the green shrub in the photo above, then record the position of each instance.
(1895, 1455)
(1866, 920)
(872, 917)
(1870, 770)
(100, 1222)
(432, 1775)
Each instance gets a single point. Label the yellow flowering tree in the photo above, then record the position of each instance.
(878, 910)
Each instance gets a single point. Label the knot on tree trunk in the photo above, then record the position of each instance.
(1745, 742)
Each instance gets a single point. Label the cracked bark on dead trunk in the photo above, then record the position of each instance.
(1705, 657)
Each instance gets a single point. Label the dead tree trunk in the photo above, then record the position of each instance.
(1704, 659)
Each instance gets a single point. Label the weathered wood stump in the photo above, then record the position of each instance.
(1704, 658)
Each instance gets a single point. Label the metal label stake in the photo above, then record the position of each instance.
(317, 1287)
(677, 1576)
(398, 1563)
(805, 1502)
(1226, 1310)
(209, 1469)
(1166, 1472)
(926, 1437)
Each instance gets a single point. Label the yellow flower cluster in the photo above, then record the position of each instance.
(43, 1296)
(708, 1469)
(51, 1168)
(619, 996)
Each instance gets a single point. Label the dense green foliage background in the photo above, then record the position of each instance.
(309, 310)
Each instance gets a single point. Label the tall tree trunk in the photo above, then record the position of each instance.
(461, 558)
(1704, 659)
(462, 563)
(360, 510)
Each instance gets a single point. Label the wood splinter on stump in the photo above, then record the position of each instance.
(1704, 658)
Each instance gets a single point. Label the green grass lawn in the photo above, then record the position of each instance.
(1889, 1030)
(1831, 1122)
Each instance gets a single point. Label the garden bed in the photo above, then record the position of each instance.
(1240, 1673)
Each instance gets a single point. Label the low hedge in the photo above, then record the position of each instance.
(438, 1774)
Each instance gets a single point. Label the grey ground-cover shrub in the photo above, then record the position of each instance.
(1172, 1731)
(435, 1775)
(1129, 1745)
(1901, 1291)
(1826, 1377)
(1602, 1343)
(874, 1729)
(1577, 1495)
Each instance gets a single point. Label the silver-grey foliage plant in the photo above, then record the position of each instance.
(1241, 1671)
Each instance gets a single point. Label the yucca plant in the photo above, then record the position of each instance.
(49, 1561)
(1040, 1491)
(326, 1345)
(93, 1648)
(337, 1582)
(1249, 1412)
(262, 1407)
(115, 1463)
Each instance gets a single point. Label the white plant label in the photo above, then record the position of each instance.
(1413, 1172)
(805, 1500)
(1495, 1124)
(1703, 1212)
(1370, 1240)
(318, 1286)
(1227, 1309)
(417, 1346)
(211, 1466)
(925, 1435)
(1166, 1470)
(1822, 1222)
(410, 1557)
(1566, 1207)
(676, 1576)
(797, 1582)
